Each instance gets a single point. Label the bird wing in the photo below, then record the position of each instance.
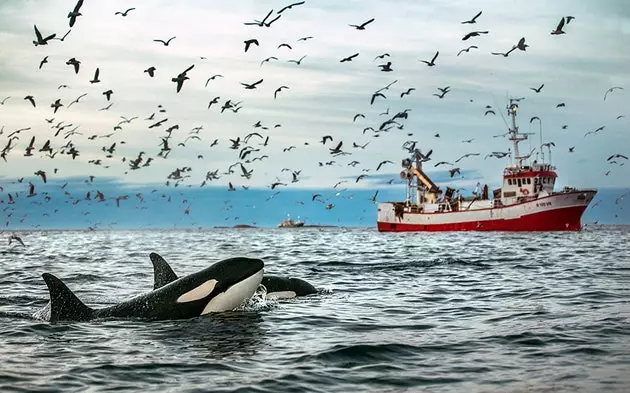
(435, 57)
(560, 25)
(368, 22)
(477, 16)
(77, 7)
(38, 34)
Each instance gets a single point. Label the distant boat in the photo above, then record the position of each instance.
(289, 223)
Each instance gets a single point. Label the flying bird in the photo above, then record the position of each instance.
(95, 80)
(362, 26)
(265, 61)
(474, 34)
(521, 45)
(298, 62)
(288, 7)
(31, 100)
(467, 49)
(75, 13)
(40, 39)
(506, 54)
(181, 78)
(165, 43)
(611, 90)
(279, 89)
(349, 58)
(250, 42)
(537, 90)
(473, 20)
(432, 62)
(75, 63)
(383, 163)
(250, 86)
(558, 29)
(44, 61)
(617, 156)
(125, 12)
(407, 92)
(150, 71)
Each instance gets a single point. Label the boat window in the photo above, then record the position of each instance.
(529, 180)
(510, 181)
(519, 182)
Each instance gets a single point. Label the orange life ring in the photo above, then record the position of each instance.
(525, 191)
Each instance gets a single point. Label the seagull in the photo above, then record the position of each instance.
(442, 163)
(249, 42)
(108, 94)
(386, 67)
(95, 80)
(384, 55)
(181, 78)
(150, 71)
(383, 163)
(611, 90)
(252, 85)
(288, 7)
(376, 95)
(489, 111)
(44, 61)
(285, 45)
(521, 44)
(279, 89)
(362, 26)
(305, 38)
(75, 63)
(31, 99)
(569, 18)
(467, 49)
(558, 29)
(466, 155)
(474, 34)
(165, 42)
(265, 61)
(40, 39)
(56, 105)
(432, 62)
(537, 90)
(75, 13)
(125, 12)
(298, 62)
(473, 20)
(407, 92)
(349, 58)
(213, 77)
(453, 171)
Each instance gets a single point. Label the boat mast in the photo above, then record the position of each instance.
(515, 136)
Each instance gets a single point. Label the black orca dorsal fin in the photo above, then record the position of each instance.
(65, 305)
(162, 272)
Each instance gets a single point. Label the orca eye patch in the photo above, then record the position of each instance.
(199, 292)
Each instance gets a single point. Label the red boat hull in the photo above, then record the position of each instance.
(567, 219)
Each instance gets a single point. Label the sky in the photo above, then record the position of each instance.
(322, 97)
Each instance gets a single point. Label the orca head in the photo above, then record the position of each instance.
(223, 286)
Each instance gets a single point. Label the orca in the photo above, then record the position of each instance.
(286, 288)
(276, 287)
(223, 286)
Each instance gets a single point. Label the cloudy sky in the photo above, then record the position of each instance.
(322, 98)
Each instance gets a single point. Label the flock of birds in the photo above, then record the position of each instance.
(249, 148)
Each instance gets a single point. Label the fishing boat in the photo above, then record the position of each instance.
(289, 223)
(526, 201)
